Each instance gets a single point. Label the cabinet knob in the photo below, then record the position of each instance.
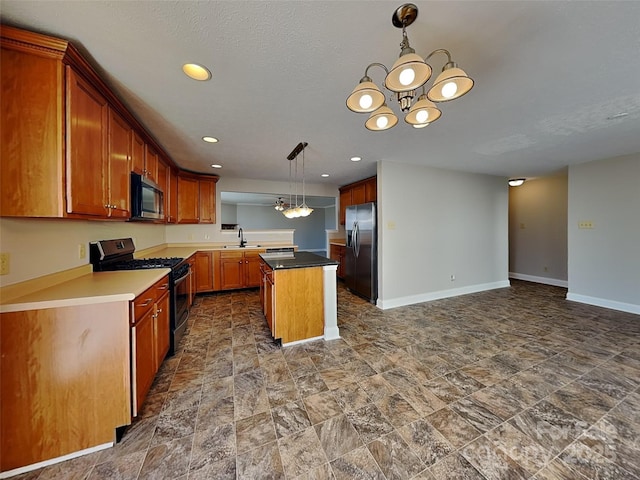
(159, 310)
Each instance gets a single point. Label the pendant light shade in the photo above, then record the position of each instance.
(382, 119)
(365, 98)
(408, 73)
(424, 111)
(452, 83)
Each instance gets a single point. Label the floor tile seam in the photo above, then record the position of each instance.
(596, 454)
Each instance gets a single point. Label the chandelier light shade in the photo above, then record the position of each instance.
(409, 73)
(452, 83)
(366, 97)
(382, 119)
(423, 112)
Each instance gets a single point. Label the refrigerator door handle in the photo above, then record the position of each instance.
(356, 234)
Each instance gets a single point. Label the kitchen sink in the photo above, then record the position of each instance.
(245, 246)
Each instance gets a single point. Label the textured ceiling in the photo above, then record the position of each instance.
(549, 77)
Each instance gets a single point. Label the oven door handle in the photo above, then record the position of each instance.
(177, 281)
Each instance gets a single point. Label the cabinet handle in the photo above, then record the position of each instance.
(159, 311)
(164, 286)
(147, 302)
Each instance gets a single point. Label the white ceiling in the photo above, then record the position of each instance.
(549, 77)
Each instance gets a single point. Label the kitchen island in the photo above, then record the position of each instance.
(298, 296)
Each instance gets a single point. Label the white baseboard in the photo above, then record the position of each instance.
(53, 461)
(603, 302)
(546, 280)
(430, 296)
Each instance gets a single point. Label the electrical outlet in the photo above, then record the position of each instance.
(391, 225)
(453, 278)
(82, 251)
(585, 224)
(4, 264)
(546, 269)
(207, 236)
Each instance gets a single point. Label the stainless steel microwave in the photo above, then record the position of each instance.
(147, 199)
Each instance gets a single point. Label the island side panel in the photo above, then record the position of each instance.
(65, 381)
(331, 331)
(299, 304)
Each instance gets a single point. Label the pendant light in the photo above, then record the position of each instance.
(409, 73)
(301, 210)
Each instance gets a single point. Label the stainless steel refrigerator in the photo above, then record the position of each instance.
(361, 262)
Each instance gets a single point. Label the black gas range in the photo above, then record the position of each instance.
(117, 254)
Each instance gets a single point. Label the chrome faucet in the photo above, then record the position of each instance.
(243, 242)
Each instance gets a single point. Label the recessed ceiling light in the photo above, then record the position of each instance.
(197, 72)
(516, 182)
(324, 175)
(215, 165)
(356, 159)
(210, 139)
(420, 125)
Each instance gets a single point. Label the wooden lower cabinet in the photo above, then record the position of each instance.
(337, 252)
(64, 379)
(293, 302)
(237, 269)
(204, 272)
(149, 339)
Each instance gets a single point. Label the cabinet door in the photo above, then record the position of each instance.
(371, 190)
(188, 192)
(358, 194)
(161, 330)
(204, 272)
(119, 166)
(268, 299)
(31, 135)
(137, 154)
(207, 190)
(87, 117)
(151, 163)
(171, 213)
(345, 201)
(144, 366)
(252, 269)
(231, 270)
(163, 173)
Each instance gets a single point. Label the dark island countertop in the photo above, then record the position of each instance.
(283, 260)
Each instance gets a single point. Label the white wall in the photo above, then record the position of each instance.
(538, 230)
(604, 262)
(434, 223)
(40, 247)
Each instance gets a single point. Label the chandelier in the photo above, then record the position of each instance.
(407, 75)
(301, 210)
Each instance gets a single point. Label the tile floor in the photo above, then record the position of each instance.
(506, 384)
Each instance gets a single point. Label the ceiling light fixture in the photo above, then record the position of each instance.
(210, 139)
(356, 159)
(279, 206)
(516, 182)
(409, 73)
(301, 210)
(325, 175)
(215, 165)
(197, 72)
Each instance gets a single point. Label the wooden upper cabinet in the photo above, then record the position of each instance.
(371, 190)
(345, 201)
(151, 163)
(171, 213)
(363, 191)
(87, 117)
(163, 178)
(188, 192)
(196, 199)
(119, 166)
(137, 154)
(207, 190)
(32, 133)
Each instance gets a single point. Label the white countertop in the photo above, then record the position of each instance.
(97, 287)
